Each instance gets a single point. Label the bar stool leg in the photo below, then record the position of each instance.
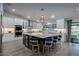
(32, 49)
(43, 49)
(48, 50)
(38, 50)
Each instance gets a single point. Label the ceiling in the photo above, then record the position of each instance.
(59, 10)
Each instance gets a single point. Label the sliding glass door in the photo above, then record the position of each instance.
(75, 32)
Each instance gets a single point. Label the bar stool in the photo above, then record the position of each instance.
(59, 37)
(34, 44)
(48, 44)
(55, 39)
(59, 40)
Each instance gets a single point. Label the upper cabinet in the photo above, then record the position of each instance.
(10, 22)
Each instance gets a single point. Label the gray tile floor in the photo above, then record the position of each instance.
(16, 48)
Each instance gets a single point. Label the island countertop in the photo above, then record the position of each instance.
(41, 35)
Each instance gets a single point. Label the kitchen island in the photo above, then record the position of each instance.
(40, 36)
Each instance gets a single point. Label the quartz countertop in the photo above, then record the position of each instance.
(41, 35)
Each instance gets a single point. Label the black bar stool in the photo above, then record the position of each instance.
(34, 44)
(59, 40)
(55, 39)
(48, 44)
(59, 37)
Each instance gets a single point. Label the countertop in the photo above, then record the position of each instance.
(41, 35)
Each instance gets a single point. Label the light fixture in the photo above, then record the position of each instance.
(42, 18)
(52, 16)
(13, 10)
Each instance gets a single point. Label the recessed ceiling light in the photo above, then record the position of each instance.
(78, 8)
(52, 16)
(13, 10)
(28, 16)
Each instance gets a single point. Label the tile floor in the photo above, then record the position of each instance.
(16, 48)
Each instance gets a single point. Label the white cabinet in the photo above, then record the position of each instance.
(18, 21)
(8, 22)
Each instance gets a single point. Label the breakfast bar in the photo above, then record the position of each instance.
(40, 36)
